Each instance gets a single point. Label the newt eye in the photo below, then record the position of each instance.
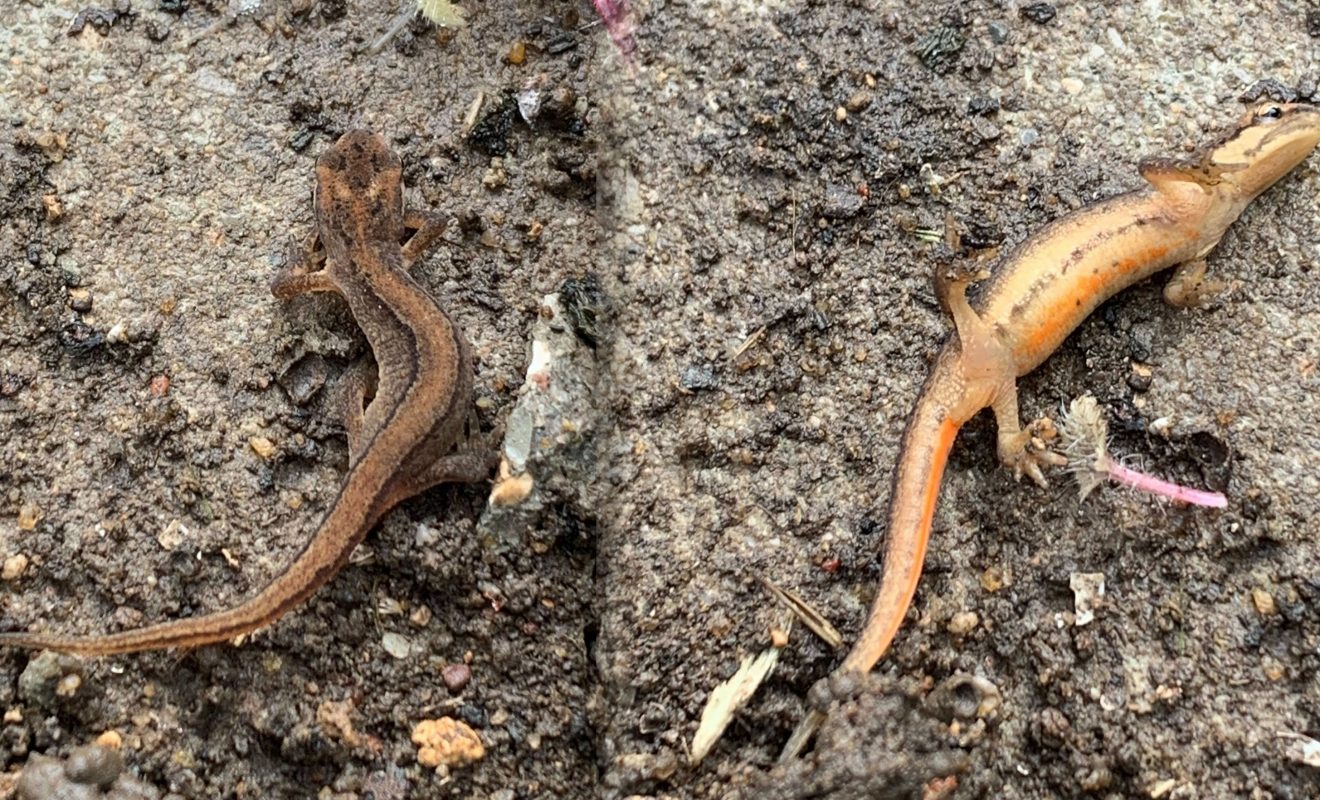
(1270, 112)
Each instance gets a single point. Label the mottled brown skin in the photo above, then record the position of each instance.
(403, 441)
(1039, 295)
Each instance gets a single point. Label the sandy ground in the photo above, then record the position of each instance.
(757, 176)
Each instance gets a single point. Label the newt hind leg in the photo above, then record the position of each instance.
(357, 387)
(304, 270)
(1024, 450)
(1189, 287)
(990, 376)
(464, 466)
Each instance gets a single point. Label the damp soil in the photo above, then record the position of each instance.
(750, 194)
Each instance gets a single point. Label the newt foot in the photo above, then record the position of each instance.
(1190, 288)
(1029, 449)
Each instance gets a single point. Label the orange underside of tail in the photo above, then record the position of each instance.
(911, 513)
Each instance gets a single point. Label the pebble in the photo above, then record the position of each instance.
(495, 177)
(36, 683)
(1072, 85)
(262, 446)
(456, 677)
(1088, 593)
(54, 208)
(396, 645)
(982, 105)
(94, 765)
(841, 202)
(1264, 602)
(1055, 728)
(14, 567)
(998, 32)
(963, 623)
(1039, 13)
(1141, 378)
(68, 685)
(698, 377)
(993, 579)
(172, 536)
(28, 515)
(860, 100)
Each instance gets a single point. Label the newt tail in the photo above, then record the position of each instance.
(309, 570)
(916, 487)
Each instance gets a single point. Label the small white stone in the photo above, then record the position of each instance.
(1072, 85)
(396, 645)
(173, 535)
(1088, 591)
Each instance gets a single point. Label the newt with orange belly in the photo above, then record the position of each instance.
(1039, 295)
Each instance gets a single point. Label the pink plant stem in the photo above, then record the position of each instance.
(1153, 485)
(617, 19)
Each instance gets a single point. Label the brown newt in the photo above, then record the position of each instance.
(403, 440)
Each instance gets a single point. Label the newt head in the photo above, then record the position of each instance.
(1270, 140)
(359, 193)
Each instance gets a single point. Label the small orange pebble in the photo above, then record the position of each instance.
(446, 742)
(262, 446)
(54, 208)
(14, 567)
(994, 578)
(29, 514)
(160, 385)
(517, 53)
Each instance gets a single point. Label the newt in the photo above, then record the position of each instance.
(1039, 294)
(404, 423)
